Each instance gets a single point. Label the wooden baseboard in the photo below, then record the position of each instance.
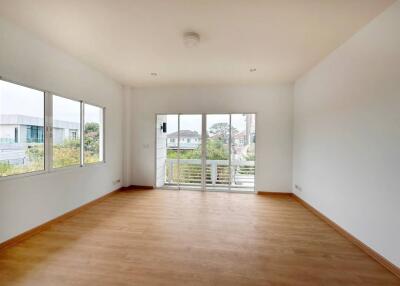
(137, 187)
(263, 193)
(16, 239)
(372, 253)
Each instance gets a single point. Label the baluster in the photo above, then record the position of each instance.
(214, 172)
(171, 171)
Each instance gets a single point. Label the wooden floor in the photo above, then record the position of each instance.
(190, 238)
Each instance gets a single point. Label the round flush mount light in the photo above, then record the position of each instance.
(253, 70)
(191, 39)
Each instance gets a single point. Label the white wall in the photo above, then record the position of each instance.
(273, 105)
(30, 201)
(347, 135)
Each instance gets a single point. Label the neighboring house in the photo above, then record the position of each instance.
(20, 129)
(240, 139)
(189, 140)
(27, 129)
(18, 132)
(65, 130)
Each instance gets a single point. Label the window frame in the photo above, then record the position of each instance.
(103, 113)
(51, 141)
(44, 170)
(48, 134)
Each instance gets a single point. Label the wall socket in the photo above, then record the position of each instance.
(297, 187)
(116, 181)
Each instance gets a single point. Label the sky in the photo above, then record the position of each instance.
(19, 100)
(193, 121)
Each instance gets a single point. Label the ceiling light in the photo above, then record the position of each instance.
(191, 39)
(253, 70)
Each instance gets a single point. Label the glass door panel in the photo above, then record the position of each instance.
(214, 152)
(190, 151)
(217, 152)
(242, 152)
(172, 153)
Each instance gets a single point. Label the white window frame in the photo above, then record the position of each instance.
(48, 134)
(203, 141)
(50, 150)
(103, 153)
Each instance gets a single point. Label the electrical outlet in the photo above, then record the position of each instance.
(297, 187)
(117, 181)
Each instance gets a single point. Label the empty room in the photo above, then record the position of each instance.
(199, 142)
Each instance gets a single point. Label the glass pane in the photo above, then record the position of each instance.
(21, 129)
(93, 134)
(217, 164)
(243, 151)
(171, 165)
(190, 168)
(66, 132)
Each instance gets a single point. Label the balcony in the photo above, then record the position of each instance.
(217, 175)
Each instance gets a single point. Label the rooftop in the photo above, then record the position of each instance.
(18, 119)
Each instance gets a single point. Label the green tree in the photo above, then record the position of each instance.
(220, 131)
(66, 154)
(91, 138)
(35, 153)
(215, 151)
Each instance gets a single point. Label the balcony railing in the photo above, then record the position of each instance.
(189, 172)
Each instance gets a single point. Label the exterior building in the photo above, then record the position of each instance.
(189, 140)
(240, 139)
(21, 129)
(18, 132)
(27, 129)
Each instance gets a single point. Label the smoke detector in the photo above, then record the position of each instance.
(191, 39)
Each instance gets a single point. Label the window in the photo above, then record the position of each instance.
(93, 134)
(74, 135)
(21, 129)
(16, 135)
(66, 132)
(39, 129)
(34, 134)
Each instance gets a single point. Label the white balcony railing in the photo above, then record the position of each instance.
(189, 172)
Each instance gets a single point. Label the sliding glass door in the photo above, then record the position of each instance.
(190, 151)
(243, 151)
(168, 151)
(213, 152)
(179, 151)
(217, 152)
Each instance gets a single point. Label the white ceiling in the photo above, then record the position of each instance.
(129, 39)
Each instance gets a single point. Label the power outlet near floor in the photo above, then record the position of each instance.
(116, 182)
(297, 187)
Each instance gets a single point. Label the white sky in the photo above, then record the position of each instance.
(19, 100)
(15, 99)
(193, 121)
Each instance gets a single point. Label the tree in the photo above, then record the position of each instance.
(67, 153)
(220, 131)
(215, 151)
(91, 137)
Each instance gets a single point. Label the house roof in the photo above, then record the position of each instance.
(184, 133)
(240, 134)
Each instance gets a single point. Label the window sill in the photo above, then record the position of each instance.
(51, 171)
